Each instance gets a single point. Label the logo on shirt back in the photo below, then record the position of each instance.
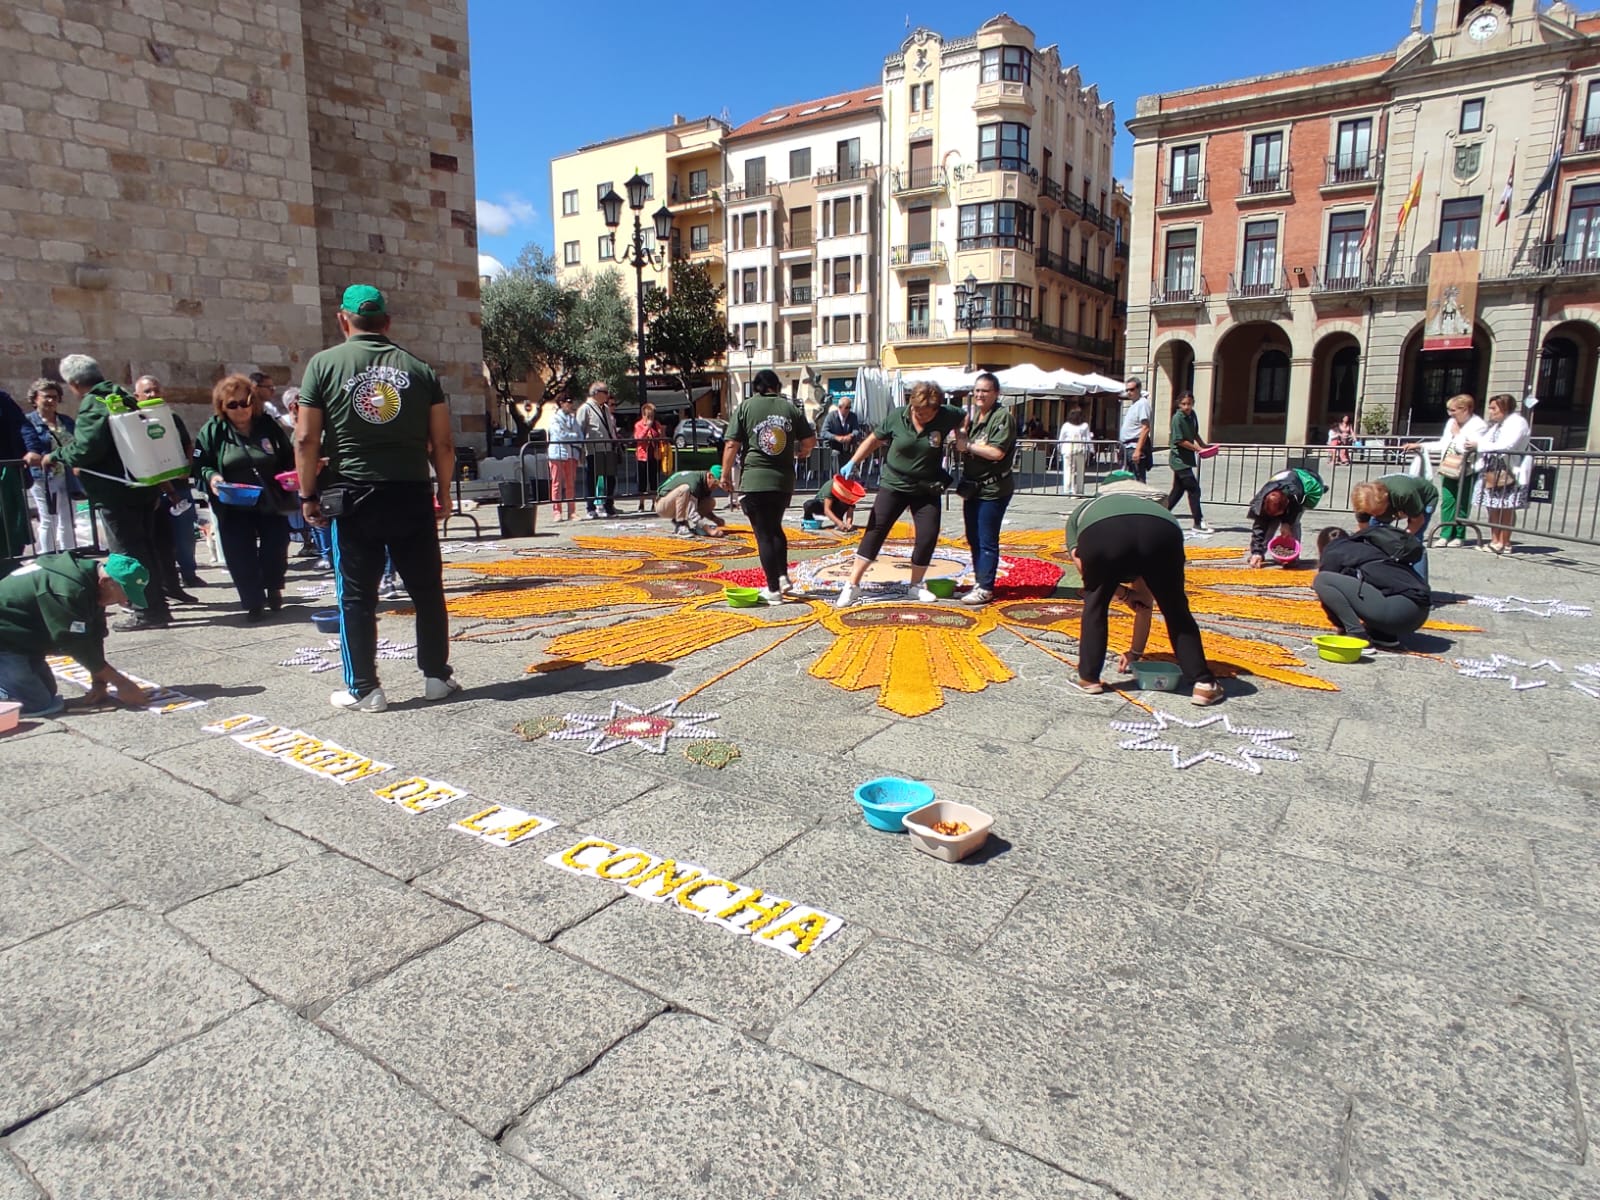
(375, 393)
(772, 435)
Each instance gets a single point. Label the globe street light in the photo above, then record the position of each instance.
(970, 305)
(635, 254)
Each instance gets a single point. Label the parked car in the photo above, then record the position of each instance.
(702, 431)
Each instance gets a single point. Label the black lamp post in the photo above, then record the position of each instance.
(635, 254)
(970, 307)
(749, 367)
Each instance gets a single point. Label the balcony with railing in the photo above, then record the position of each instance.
(1178, 291)
(712, 248)
(995, 241)
(918, 331)
(800, 350)
(1341, 278)
(1267, 284)
(799, 239)
(1584, 137)
(1189, 191)
(918, 181)
(848, 173)
(1068, 339)
(1050, 189)
(1073, 201)
(1351, 171)
(754, 190)
(1091, 213)
(692, 199)
(1121, 251)
(1049, 260)
(1119, 310)
(918, 254)
(798, 296)
(1261, 182)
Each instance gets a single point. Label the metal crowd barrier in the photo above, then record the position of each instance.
(16, 514)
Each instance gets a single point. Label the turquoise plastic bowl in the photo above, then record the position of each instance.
(884, 801)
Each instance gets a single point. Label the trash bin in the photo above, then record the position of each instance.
(517, 519)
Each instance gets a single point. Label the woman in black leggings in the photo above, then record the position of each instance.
(1118, 540)
(916, 438)
(767, 433)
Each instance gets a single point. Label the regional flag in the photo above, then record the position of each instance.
(1546, 181)
(1503, 213)
(1414, 197)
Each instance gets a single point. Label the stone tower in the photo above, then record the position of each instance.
(187, 185)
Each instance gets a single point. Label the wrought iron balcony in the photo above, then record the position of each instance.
(1050, 189)
(1121, 250)
(918, 331)
(1259, 285)
(918, 179)
(1351, 170)
(920, 254)
(1082, 343)
(1181, 289)
(1265, 181)
(1191, 189)
(752, 191)
(1584, 137)
(800, 350)
(1341, 277)
(849, 173)
(1073, 201)
(798, 295)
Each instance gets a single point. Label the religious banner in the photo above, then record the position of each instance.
(1452, 300)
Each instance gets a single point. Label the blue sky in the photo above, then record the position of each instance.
(551, 75)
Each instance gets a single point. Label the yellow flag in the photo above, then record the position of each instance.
(1412, 198)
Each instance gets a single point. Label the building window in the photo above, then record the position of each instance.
(600, 191)
(1003, 147)
(1583, 226)
(700, 237)
(855, 328)
(749, 232)
(606, 246)
(1272, 384)
(1260, 256)
(927, 97)
(1266, 163)
(1005, 306)
(916, 97)
(570, 255)
(699, 184)
(917, 308)
(1471, 116)
(996, 223)
(649, 178)
(755, 175)
(1013, 64)
(1183, 180)
(1344, 245)
(800, 163)
(1458, 223)
(1352, 150)
(1182, 247)
(569, 203)
(841, 330)
(749, 336)
(847, 158)
(750, 288)
(841, 276)
(1589, 135)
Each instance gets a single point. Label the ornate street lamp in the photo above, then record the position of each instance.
(970, 306)
(635, 255)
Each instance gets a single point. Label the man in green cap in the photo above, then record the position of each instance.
(55, 605)
(685, 498)
(378, 415)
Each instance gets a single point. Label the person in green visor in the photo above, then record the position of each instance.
(56, 605)
(685, 498)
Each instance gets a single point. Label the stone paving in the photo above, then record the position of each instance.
(1369, 974)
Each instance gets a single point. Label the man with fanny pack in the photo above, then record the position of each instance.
(377, 414)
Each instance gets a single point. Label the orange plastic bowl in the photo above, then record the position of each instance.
(847, 490)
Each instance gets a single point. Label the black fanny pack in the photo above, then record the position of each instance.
(342, 499)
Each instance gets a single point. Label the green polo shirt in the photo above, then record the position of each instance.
(695, 481)
(376, 401)
(1113, 504)
(1409, 495)
(993, 477)
(768, 428)
(52, 606)
(1185, 428)
(912, 461)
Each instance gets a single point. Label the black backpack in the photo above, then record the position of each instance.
(1394, 543)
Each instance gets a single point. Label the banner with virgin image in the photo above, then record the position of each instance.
(1452, 300)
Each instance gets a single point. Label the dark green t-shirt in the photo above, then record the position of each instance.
(253, 458)
(768, 428)
(52, 606)
(1410, 495)
(993, 476)
(1185, 428)
(696, 482)
(912, 461)
(376, 401)
(1113, 504)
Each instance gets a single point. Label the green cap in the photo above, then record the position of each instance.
(131, 574)
(716, 473)
(362, 299)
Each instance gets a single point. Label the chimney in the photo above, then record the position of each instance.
(677, 118)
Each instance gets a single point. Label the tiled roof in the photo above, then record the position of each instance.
(808, 112)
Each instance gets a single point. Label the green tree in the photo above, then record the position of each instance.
(687, 329)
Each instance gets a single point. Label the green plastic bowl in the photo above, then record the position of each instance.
(1338, 648)
(1156, 676)
(942, 588)
(742, 597)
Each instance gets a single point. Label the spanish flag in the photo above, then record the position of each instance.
(1413, 197)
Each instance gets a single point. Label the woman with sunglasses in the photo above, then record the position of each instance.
(242, 444)
(566, 447)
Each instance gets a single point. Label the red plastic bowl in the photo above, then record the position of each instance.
(847, 490)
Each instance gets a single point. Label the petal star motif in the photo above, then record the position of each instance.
(1495, 667)
(647, 728)
(1537, 608)
(1255, 743)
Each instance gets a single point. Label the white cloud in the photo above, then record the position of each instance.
(497, 219)
(490, 267)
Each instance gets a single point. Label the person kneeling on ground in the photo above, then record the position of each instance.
(685, 497)
(827, 506)
(1276, 509)
(1367, 584)
(1121, 540)
(55, 605)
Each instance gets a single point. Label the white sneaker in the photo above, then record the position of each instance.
(977, 596)
(1455, 542)
(770, 597)
(921, 595)
(440, 689)
(1203, 528)
(784, 585)
(847, 596)
(390, 589)
(373, 702)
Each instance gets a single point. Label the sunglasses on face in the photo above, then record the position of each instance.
(232, 404)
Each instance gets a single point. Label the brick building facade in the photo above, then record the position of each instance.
(186, 187)
(1271, 273)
